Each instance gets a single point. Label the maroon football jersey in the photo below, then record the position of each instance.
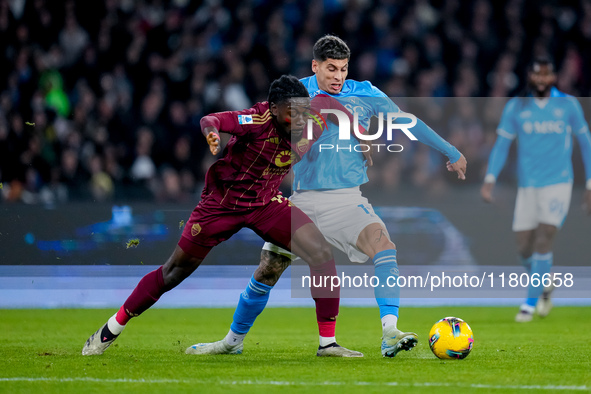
(256, 159)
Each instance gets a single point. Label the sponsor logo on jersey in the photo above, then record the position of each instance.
(544, 127)
(273, 140)
(275, 171)
(284, 158)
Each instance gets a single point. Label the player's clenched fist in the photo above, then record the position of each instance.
(213, 140)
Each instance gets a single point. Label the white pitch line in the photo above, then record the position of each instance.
(293, 383)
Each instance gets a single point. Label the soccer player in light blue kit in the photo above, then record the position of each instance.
(543, 122)
(326, 188)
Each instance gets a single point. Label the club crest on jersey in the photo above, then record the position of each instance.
(302, 145)
(195, 229)
(245, 119)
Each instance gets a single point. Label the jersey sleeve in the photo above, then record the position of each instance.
(506, 127)
(506, 133)
(383, 103)
(237, 123)
(497, 158)
(429, 137)
(577, 118)
(421, 131)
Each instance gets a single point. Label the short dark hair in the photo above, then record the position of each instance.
(285, 88)
(331, 47)
(541, 61)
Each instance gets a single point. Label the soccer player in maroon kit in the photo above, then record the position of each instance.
(242, 190)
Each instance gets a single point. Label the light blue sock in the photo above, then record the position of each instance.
(540, 264)
(252, 302)
(388, 298)
(526, 262)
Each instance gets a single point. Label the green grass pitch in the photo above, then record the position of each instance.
(41, 353)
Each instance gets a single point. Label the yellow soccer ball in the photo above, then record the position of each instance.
(451, 338)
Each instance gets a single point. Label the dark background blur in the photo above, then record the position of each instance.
(100, 101)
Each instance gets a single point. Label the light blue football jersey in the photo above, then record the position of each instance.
(341, 167)
(544, 130)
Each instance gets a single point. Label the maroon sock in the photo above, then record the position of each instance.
(145, 294)
(122, 317)
(327, 299)
(327, 328)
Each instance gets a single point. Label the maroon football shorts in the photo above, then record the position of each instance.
(211, 224)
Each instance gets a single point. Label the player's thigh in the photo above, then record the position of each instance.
(525, 215)
(307, 203)
(277, 222)
(553, 204)
(208, 226)
(342, 225)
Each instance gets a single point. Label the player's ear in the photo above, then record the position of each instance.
(314, 66)
(273, 108)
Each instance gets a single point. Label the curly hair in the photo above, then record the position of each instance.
(285, 88)
(331, 47)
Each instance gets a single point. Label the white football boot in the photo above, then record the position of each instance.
(219, 347)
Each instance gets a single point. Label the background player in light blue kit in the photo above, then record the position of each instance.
(543, 122)
(327, 189)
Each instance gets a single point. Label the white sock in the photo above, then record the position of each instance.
(113, 326)
(325, 341)
(389, 321)
(234, 339)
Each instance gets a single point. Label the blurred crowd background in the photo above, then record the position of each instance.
(101, 100)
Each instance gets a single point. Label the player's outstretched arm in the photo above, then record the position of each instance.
(496, 162)
(459, 167)
(581, 131)
(456, 163)
(227, 122)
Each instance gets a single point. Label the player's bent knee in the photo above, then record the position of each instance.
(271, 267)
(178, 267)
(321, 254)
(389, 245)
